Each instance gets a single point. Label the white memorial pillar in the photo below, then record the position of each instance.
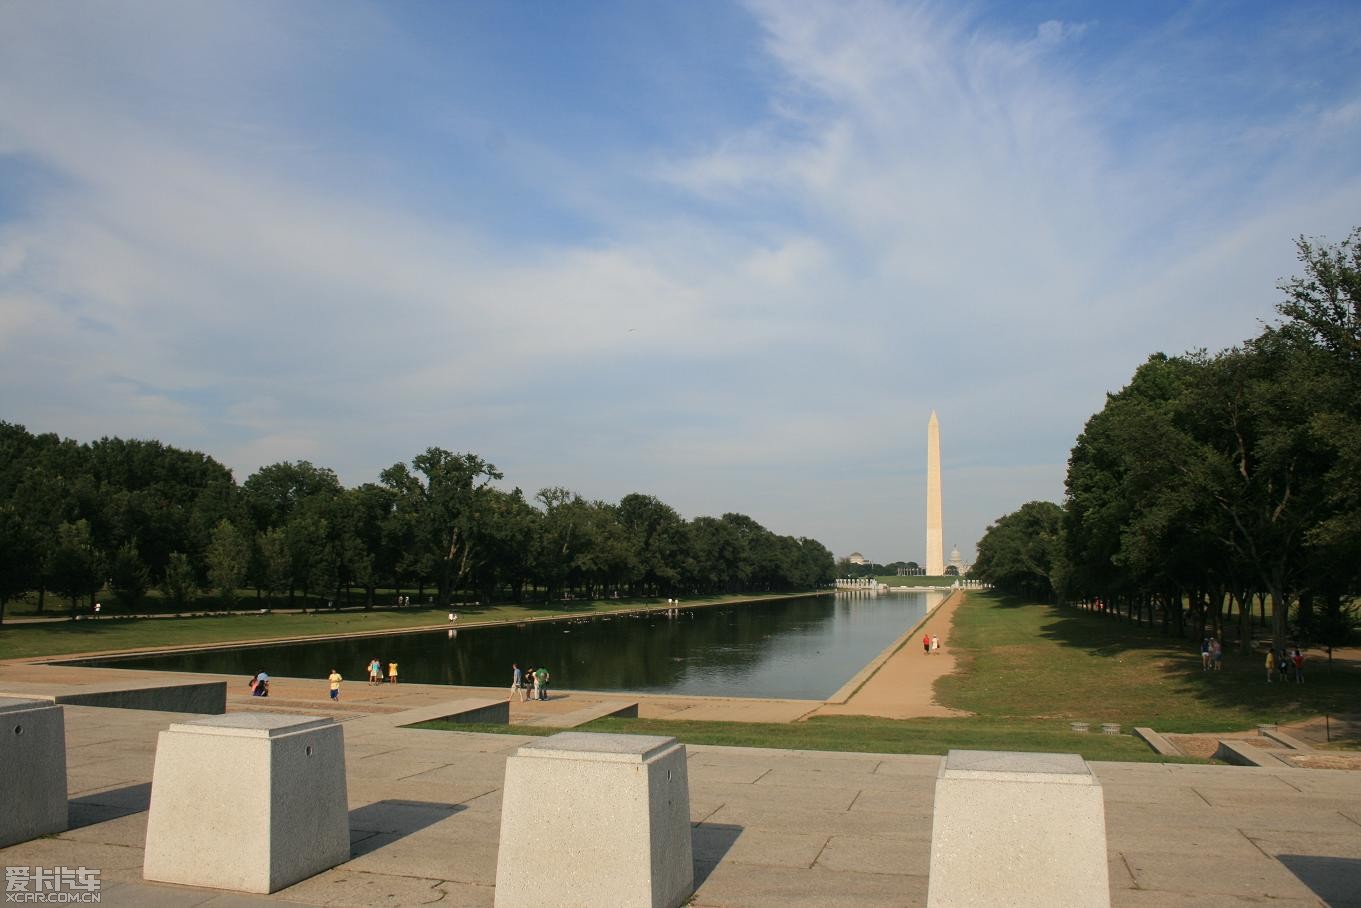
(247, 801)
(593, 819)
(1017, 830)
(33, 783)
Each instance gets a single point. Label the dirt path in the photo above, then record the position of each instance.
(903, 687)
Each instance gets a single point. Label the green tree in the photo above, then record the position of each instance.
(129, 576)
(228, 559)
(75, 568)
(1023, 550)
(275, 561)
(179, 583)
(20, 557)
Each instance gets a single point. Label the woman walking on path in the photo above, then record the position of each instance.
(935, 643)
(1270, 665)
(517, 682)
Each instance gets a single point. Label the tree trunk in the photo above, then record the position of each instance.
(1280, 610)
(1245, 623)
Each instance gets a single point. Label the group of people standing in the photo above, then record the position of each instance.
(376, 672)
(930, 643)
(1282, 662)
(534, 681)
(1211, 654)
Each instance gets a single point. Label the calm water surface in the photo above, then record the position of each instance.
(798, 648)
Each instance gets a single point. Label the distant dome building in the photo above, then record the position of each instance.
(957, 561)
(856, 558)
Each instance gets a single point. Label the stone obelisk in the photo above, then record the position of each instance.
(935, 533)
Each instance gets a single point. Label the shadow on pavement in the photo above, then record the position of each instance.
(710, 842)
(89, 809)
(383, 822)
(1337, 881)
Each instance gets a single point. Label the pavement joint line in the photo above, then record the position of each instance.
(1255, 844)
(818, 856)
(851, 806)
(705, 818)
(1350, 817)
(1124, 859)
(489, 791)
(1201, 796)
(768, 771)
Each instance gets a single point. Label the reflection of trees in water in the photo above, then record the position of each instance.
(619, 652)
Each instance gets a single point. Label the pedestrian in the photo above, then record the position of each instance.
(335, 680)
(259, 685)
(375, 672)
(1297, 659)
(1205, 654)
(1217, 653)
(935, 643)
(541, 682)
(517, 682)
(392, 672)
(926, 643)
(98, 606)
(1270, 665)
(1283, 667)
(534, 674)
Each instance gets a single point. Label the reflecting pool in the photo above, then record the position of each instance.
(798, 648)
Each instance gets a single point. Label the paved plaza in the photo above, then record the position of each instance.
(770, 827)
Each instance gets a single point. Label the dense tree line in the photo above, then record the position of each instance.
(845, 568)
(140, 515)
(1215, 481)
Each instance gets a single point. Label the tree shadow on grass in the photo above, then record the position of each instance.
(1240, 686)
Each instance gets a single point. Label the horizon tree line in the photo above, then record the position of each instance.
(138, 515)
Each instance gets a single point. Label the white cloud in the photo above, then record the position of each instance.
(931, 214)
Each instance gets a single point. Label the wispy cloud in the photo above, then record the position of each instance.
(334, 253)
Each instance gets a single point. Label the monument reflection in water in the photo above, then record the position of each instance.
(797, 648)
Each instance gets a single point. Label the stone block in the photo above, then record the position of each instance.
(592, 819)
(1017, 829)
(33, 784)
(251, 802)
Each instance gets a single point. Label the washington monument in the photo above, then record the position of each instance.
(935, 534)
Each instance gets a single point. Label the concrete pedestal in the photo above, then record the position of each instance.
(247, 801)
(1017, 829)
(591, 819)
(33, 782)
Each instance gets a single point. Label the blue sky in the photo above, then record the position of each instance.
(730, 254)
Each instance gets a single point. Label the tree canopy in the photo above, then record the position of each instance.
(141, 515)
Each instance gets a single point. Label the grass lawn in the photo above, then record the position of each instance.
(865, 735)
(1026, 660)
(66, 637)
